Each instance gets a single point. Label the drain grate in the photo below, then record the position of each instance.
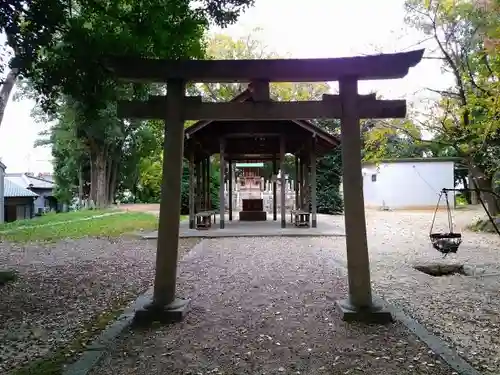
(442, 269)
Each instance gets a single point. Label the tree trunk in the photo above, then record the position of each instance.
(102, 180)
(113, 176)
(6, 90)
(484, 183)
(80, 186)
(473, 194)
(93, 177)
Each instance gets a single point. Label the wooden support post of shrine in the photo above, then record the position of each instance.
(314, 207)
(208, 197)
(165, 307)
(275, 203)
(307, 193)
(296, 182)
(359, 306)
(203, 184)
(230, 189)
(191, 191)
(198, 193)
(283, 183)
(222, 202)
(301, 183)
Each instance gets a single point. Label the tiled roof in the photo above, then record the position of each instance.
(24, 180)
(12, 190)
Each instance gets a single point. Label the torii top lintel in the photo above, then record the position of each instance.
(374, 67)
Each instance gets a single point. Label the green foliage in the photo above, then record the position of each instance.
(29, 27)
(68, 153)
(251, 46)
(149, 189)
(149, 184)
(328, 175)
(214, 187)
(65, 71)
(465, 118)
(54, 218)
(215, 184)
(484, 225)
(391, 139)
(461, 200)
(267, 170)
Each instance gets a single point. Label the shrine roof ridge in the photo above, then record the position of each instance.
(370, 67)
(246, 95)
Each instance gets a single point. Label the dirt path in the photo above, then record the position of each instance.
(141, 207)
(265, 305)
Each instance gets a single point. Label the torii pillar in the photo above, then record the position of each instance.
(165, 307)
(359, 306)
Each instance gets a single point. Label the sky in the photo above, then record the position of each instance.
(298, 28)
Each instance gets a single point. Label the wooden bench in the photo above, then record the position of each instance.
(300, 218)
(204, 219)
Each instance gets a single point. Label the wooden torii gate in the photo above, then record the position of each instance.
(348, 106)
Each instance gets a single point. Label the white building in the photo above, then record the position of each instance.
(407, 184)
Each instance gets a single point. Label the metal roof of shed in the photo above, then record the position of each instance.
(13, 190)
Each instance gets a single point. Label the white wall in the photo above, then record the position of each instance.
(407, 185)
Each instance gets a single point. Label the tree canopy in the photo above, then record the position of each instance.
(57, 47)
(464, 120)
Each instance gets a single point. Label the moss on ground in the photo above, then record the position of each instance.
(484, 225)
(55, 363)
(7, 277)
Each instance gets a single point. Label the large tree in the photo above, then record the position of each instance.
(70, 69)
(466, 116)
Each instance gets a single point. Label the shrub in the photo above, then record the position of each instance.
(328, 177)
(214, 188)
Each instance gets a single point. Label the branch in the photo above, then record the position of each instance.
(444, 92)
(471, 76)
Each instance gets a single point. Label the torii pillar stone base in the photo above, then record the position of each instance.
(166, 314)
(370, 315)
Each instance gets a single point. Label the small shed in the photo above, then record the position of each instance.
(406, 184)
(18, 201)
(43, 188)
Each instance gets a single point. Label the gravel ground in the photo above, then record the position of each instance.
(266, 306)
(65, 285)
(462, 310)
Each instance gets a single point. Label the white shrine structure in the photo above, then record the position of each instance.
(248, 184)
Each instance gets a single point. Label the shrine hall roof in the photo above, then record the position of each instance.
(244, 135)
